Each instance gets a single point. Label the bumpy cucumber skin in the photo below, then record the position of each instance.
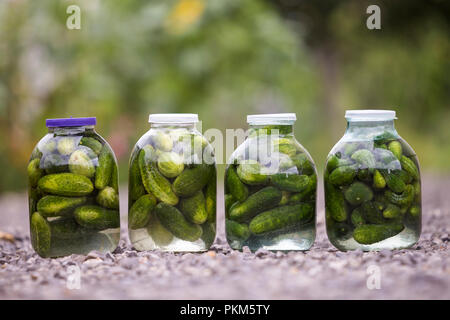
(409, 166)
(174, 221)
(154, 182)
(290, 182)
(67, 229)
(378, 180)
(66, 184)
(40, 234)
(194, 208)
(394, 182)
(281, 217)
(34, 172)
(53, 206)
(237, 189)
(92, 143)
(66, 145)
(262, 200)
(396, 148)
(335, 203)
(369, 234)
(358, 193)
(95, 217)
(403, 199)
(391, 211)
(108, 198)
(236, 231)
(343, 175)
(140, 211)
(105, 168)
(170, 164)
(210, 198)
(192, 180)
(80, 163)
(136, 188)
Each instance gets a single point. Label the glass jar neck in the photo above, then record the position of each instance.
(271, 129)
(70, 130)
(370, 127)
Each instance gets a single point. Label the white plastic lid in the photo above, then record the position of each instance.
(370, 115)
(274, 118)
(173, 118)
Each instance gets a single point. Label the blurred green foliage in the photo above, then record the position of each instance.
(223, 60)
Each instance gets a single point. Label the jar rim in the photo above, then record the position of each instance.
(71, 122)
(370, 115)
(173, 118)
(271, 118)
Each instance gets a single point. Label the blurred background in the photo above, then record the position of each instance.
(222, 59)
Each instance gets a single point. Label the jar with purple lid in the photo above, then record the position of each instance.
(73, 190)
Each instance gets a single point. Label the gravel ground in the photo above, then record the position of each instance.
(422, 272)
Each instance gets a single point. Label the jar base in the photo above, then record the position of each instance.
(405, 239)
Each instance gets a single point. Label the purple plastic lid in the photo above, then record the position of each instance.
(71, 122)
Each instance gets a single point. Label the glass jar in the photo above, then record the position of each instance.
(270, 188)
(73, 191)
(372, 186)
(172, 187)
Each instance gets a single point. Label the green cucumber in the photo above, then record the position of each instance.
(378, 180)
(396, 148)
(140, 211)
(342, 175)
(92, 143)
(40, 234)
(66, 184)
(391, 211)
(290, 182)
(192, 180)
(194, 208)
(174, 221)
(235, 186)
(409, 166)
(98, 218)
(53, 206)
(108, 198)
(34, 172)
(335, 203)
(250, 172)
(358, 193)
(261, 200)
(236, 231)
(403, 199)
(154, 182)
(104, 170)
(136, 188)
(81, 163)
(369, 234)
(281, 217)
